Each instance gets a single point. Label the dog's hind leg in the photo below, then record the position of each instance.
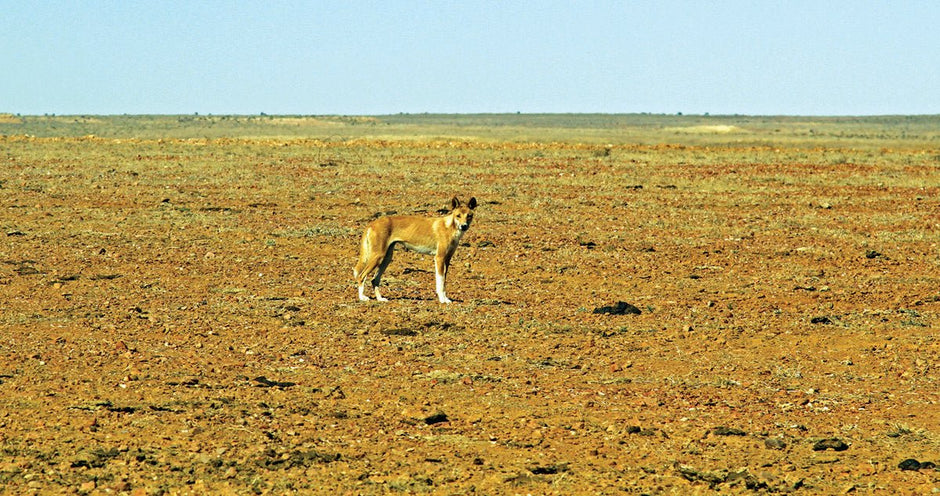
(362, 274)
(359, 273)
(387, 259)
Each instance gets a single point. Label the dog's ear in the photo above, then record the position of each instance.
(472, 203)
(454, 203)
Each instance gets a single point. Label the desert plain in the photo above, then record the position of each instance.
(178, 314)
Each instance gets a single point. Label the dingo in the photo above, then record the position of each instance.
(430, 236)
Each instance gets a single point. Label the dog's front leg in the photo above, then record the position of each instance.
(440, 274)
(362, 293)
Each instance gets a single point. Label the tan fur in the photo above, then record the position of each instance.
(438, 236)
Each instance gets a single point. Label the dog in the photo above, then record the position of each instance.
(437, 236)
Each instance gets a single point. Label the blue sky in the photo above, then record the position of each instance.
(813, 57)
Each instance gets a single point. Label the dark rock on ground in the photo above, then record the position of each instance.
(399, 332)
(620, 308)
(833, 444)
(436, 418)
(728, 431)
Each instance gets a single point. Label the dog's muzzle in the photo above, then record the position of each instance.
(464, 227)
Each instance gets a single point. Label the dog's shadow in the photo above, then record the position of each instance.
(416, 270)
(412, 270)
(420, 298)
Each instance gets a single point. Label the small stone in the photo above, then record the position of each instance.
(728, 431)
(399, 332)
(775, 443)
(437, 418)
(619, 308)
(910, 464)
(549, 469)
(85, 459)
(833, 444)
(87, 486)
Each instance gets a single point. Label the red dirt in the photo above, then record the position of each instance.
(187, 322)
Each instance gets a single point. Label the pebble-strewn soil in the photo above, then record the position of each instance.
(179, 316)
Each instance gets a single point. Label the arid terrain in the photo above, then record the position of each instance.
(178, 313)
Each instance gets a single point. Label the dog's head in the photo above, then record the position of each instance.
(461, 213)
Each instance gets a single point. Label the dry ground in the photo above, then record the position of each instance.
(179, 316)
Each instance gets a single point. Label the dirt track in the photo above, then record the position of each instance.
(180, 317)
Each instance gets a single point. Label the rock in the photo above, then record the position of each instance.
(820, 320)
(93, 458)
(275, 460)
(870, 254)
(910, 464)
(549, 469)
(711, 477)
(25, 269)
(85, 459)
(437, 418)
(399, 332)
(775, 443)
(105, 277)
(620, 308)
(833, 444)
(728, 431)
(265, 382)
